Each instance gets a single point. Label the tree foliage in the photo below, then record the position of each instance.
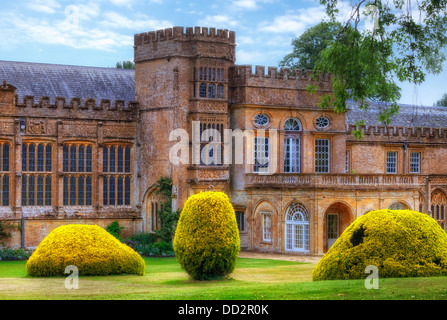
(307, 48)
(168, 218)
(406, 44)
(442, 102)
(125, 65)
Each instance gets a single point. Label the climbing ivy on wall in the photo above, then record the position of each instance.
(168, 218)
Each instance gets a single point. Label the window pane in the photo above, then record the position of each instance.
(88, 191)
(31, 186)
(73, 158)
(72, 191)
(81, 161)
(48, 191)
(105, 193)
(112, 191)
(391, 162)
(120, 186)
(127, 192)
(202, 90)
(127, 162)
(321, 156)
(65, 191)
(112, 159)
(220, 91)
(261, 155)
(48, 159)
(40, 155)
(105, 159)
(39, 190)
(415, 160)
(120, 159)
(292, 155)
(5, 157)
(88, 160)
(24, 150)
(65, 159)
(212, 91)
(24, 195)
(81, 191)
(5, 191)
(32, 158)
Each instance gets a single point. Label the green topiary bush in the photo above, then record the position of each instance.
(206, 241)
(400, 243)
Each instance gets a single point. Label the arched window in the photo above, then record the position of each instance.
(297, 228)
(154, 205)
(292, 146)
(212, 91)
(202, 90)
(398, 206)
(292, 124)
(438, 205)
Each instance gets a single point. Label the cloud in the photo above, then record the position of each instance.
(44, 6)
(115, 20)
(249, 4)
(218, 21)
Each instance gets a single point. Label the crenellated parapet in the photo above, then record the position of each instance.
(284, 86)
(187, 34)
(420, 134)
(185, 42)
(241, 75)
(75, 103)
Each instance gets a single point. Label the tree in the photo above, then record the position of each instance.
(125, 65)
(307, 48)
(442, 102)
(406, 44)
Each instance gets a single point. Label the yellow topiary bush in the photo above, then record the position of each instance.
(206, 241)
(90, 248)
(401, 243)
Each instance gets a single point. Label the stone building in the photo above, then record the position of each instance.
(87, 145)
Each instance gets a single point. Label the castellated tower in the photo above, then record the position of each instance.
(181, 76)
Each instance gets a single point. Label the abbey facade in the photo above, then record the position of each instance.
(87, 145)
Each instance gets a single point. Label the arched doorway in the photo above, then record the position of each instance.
(438, 207)
(154, 204)
(297, 228)
(337, 218)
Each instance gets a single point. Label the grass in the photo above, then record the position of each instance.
(253, 279)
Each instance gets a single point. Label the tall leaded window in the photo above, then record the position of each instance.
(211, 136)
(77, 167)
(322, 156)
(266, 227)
(415, 162)
(4, 173)
(261, 155)
(292, 147)
(240, 219)
(438, 207)
(391, 162)
(37, 175)
(117, 175)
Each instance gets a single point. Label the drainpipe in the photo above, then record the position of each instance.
(405, 147)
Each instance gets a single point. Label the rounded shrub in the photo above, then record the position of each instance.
(206, 241)
(400, 243)
(90, 248)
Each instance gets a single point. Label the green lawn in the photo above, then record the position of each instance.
(253, 279)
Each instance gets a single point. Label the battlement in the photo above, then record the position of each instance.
(186, 34)
(369, 132)
(75, 103)
(246, 71)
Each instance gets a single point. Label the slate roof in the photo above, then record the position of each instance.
(409, 116)
(53, 80)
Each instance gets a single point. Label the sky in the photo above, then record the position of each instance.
(100, 33)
